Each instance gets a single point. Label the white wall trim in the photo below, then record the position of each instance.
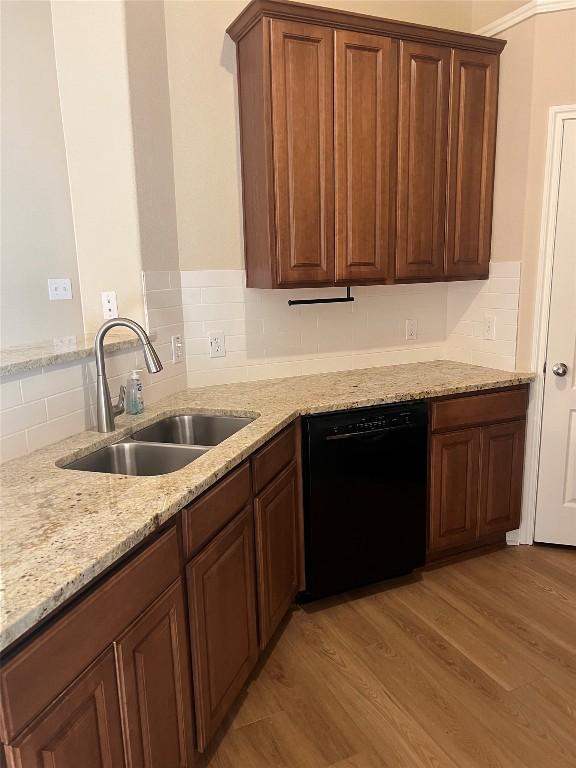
(556, 120)
(531, 8)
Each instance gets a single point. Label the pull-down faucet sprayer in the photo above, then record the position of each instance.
(104, 408)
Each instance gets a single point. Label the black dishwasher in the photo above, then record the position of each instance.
(365, 492)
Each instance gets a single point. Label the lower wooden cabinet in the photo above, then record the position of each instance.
(502, 459)
(455, 472)
(223, 624)
(476, 470)
(276, 517)
(81, 728)
(154, 684)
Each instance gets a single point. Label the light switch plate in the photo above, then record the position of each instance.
(109, 304)
(177, 349)
(59, 288)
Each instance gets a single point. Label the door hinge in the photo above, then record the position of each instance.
(544, 369)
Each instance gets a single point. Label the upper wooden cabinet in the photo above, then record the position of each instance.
(303, 141)
(474, 96)
(367, 147)
(365, 129)
(422, 153)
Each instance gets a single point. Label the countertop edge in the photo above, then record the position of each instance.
(14, 633)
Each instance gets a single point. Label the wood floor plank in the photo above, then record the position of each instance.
(472, 666)
(494, 658)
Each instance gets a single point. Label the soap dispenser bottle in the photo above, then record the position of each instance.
(134, 395)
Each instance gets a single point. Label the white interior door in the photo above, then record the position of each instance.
(556, 499)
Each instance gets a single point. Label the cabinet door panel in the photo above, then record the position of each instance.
(471, 163)
(302, 119)
(365, 139)
(82, 728)
(276, 514)
(455, 467)
(223, 629)
(154, 682)
(501, 477)
(423, 140)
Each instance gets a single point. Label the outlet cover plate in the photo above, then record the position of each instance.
(217, 344)
(177, 349)
(59, 288)
(411, 330)
(109, 304)
(489, 327)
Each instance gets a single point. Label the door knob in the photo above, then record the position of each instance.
(559, 369)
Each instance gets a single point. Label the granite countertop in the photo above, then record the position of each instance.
(53, 351)
(60, 528)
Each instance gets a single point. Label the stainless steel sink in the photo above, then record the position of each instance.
(141, 459)
(195, 429)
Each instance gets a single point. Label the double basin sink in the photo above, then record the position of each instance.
(162, 447)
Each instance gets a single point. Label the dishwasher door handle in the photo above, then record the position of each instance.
(374, 434)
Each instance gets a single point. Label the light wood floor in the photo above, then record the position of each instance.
(474, 664)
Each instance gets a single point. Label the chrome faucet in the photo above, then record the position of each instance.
(104, 408)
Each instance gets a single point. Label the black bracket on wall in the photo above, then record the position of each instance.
(341, 300)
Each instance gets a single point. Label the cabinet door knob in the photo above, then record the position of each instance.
(559, 369)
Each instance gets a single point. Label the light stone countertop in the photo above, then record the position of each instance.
(60, 528)
(43, 354)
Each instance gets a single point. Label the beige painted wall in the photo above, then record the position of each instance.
(538, 71)
(152, 133)
(90, 45)
(37, 229)
(202, 76)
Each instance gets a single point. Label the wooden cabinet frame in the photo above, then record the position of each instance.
(476, 470)
(340, 187)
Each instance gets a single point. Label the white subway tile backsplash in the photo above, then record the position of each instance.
(167, 316)
(22, 417)
(10, 393)
(196, 312)
(468, 304)
(191, 296)
(505, 268)
(498, 300)
(213, 277)
(75, 400)
(13, 446)
(265, 338)
(171, 297)
(222, 295)
(156, 281)
(196, 330)
(176, 279)
(57, 429)
(52, 380)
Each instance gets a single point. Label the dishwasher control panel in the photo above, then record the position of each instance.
(388, 421)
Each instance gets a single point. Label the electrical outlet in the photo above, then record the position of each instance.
(411, 330)
(177, 349)
(109, 305)
(217, 344)
(489, 327)
(65, 344)
(59, 288)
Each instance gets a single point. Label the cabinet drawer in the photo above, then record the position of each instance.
(473, 410)
(272, 459)
(202, 520)
(35, 676)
